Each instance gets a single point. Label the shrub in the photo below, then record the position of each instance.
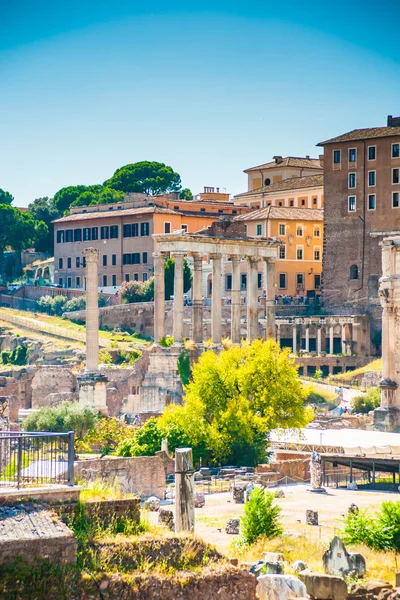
(317, 374)
(67, 416)
(105, 357)
(184, 367)
(147, 440)
(137, 291)
(166, 342)
(18, 356)
(261, 516)
(364, 404)
(44, 304)
(78, 303)
(106, 435)
(379, 532)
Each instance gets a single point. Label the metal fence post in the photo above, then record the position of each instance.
(71, 456)
(19, 462)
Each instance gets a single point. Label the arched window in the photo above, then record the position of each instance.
(353, 272)
(267, 181)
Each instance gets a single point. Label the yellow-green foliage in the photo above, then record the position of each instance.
(99, 490)
(375, 365)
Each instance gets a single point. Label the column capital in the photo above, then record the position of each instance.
(270, 260)
(178, 254)
(158, 254)
(215, 256)
(252, 259)
(91, 255)
(235, 258)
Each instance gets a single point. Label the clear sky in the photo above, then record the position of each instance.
(209, 88)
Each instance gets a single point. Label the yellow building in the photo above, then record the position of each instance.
(281, 168)
(298, 270)
(212, 194)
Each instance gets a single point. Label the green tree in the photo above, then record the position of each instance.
(151, 178)
(170, 274)
(261, 516)
(186, 194)
(44, 209)
(147, 440)
(137, 291)
(6, 197)
(67, 416)
(67, 195)
(367, 402)
(98, 194)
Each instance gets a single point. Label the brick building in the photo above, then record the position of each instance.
(362, 205)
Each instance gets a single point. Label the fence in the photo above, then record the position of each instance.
(34, 459)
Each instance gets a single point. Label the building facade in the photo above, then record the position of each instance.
(362, 205)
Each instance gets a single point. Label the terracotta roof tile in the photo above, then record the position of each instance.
(112, 214)
(363, 134)
(277, 212)
(296, 183)
(290, 161)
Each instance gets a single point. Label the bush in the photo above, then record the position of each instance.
(137, 291)
(147, 440)
(18, 356)
(67, 416)
(261, 517)
(184, 367)
(166, 342)
(381, 532)
(364, 404)
(105, 357)
(106, 435)
(57, 305)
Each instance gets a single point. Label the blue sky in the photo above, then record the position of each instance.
(210, 88)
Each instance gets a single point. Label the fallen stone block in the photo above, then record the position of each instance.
(324, 587)
(337, 561)
(298, 566)
(232, 527)
(152, 503)
(166, 518)
(199, 500)
(280, 587)
(312, 517)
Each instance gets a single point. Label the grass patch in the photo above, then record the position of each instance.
(375, 365)
(100, 490)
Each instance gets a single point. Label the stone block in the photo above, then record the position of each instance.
(279, 587)
(311, 517)
(166, 518)
(324, 587)
(298, 566)
(232, 527)
(152, 504)
(199, 500)
(337, 561)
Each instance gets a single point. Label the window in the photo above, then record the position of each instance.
(69, 262)
(303, 202)
(136, 258)
(105, 280)
(299, 252)
(144, 276)
(282, 252)
(352, 155)
(105, 232)
(104, 260)
(60, 236)
(282, 281)
(114, 260)
(69, 282)
(77, 235)
(95, 233)
(114, 232)
(317, 253)
(291, 202)
(395, 177)
(229, 281)
(136, 277)
(317, 232)
(353, 272)
(280, 204)
(395, 150)
(127, 277)
(220, 210)
(185, 227)
(352, 203)
(202, 210)
(77, 262)
(267, 181)
(282, 229)
(86, 234)
(144, 258)
(317, 282)
(243, 281)
(135, 229)
(69, 235)
(127, 259)
(371, 152)
(299, 230)
(314, 200)
(127, 230)
(145, 229)
(84, 263)
(371, 178)
(78, 282)
(259, 280)
(259, 229)
(60, 263)
(352, 180)
(167, 227)
(114, 280)
(371, 202)
(299, 281)
(61, 281)
(336, 158)
(395, 200)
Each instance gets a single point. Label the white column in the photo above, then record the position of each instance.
(278, 333)
(307, 338)
(178, 298)
(197, 315)
(235, 296)
(269, 270)
(92, 309)
(331, 339)
(294, 339)
(216, 309)
(184, 490)
(344, 350)
(319, 343)
(252, 299)
(159, 297)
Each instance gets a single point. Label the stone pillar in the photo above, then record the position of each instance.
(216, 309)
(294, 339)
(178, 298)
(184, 490)
(197, 315)
(344, 350)
(307, 338)
(319, 340)
(235, 296)
(252, 299)
(270, 328)
(159, 297)
(92, 309)
(278, 333)
(331, 339)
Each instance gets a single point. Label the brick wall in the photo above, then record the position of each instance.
(105, 511)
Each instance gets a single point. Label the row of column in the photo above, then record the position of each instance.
(216, 299)
(319, 339)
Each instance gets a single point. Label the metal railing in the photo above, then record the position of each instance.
(35, 459)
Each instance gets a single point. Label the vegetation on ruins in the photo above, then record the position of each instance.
(151, 178)
(105, 436)
(18, 356)
(261, 517)
(146, 440)
(61, 418)
(369, 401)
(378, 532)
(57, 305)
(170, 274)
(184, 369)
(137, 291)
(166, 341)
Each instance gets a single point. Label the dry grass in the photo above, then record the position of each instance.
(375, 365)
(99, 490)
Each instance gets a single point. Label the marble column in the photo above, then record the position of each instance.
(252, 299)
(344, 349)
(178, 298)
(269, 278)
(278, 333)
(216, 309)
(92, 309)
(235, 296)
(307, 338)
(159, 297)
(294, 339)
(331, 339)
(197, 314)
(319, 340)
